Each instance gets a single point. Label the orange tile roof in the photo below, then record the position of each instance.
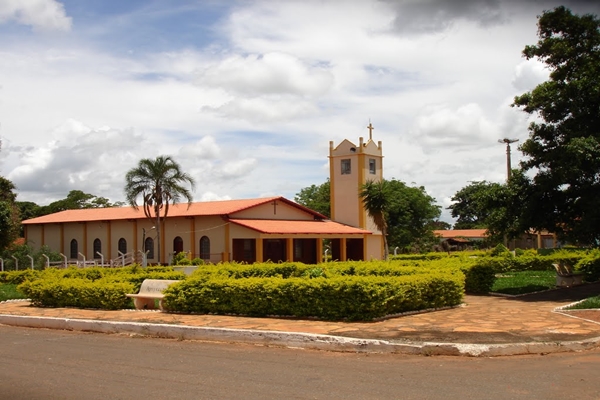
(204, 208)
(467, 233)
(272, 226)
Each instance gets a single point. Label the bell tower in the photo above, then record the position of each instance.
(351, 166)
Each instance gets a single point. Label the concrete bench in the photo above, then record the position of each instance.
(565, 276)
(151, 290)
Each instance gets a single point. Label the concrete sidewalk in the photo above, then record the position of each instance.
(482, 326)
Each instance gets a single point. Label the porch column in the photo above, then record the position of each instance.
(259, 250)
(85, 235)
(343, 249)
(227, 252)
(289, 249)
(109, 236)
(193, 237)
(62, 238)
(319, 250)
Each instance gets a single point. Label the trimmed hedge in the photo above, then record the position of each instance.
(77, 292)
(479, 279)
(589, 265)
(90, 287)
(337, 298)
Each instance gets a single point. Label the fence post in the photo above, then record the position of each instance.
(31, 258)
(65, 258)
(47, 260)
(16, 263)
(83, 258)
(101, 258)
(122, 258)
(2, 264)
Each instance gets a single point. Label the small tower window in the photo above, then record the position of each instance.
(372, 166)
(346, 166)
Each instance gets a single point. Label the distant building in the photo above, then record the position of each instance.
(462, 238)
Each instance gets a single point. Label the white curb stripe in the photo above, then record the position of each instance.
(297, 339)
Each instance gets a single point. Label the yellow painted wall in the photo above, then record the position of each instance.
(268, 211)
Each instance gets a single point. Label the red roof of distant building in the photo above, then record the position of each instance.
(465, 233)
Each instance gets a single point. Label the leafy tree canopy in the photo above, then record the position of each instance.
(9, 214)
(474, 204)
(159, 182)
(411, 214)
(75, 200)
(563, 149)
(316, 197)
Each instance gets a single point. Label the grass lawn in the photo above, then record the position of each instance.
(9, 291)
(592, 302)
(524, 282)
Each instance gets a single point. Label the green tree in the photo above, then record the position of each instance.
(474, 203)
(9, 214)
(76, 200)
(29, 209)
(376, 200)
(159, 182)
(563, 149)
(411, 216)
(316, 197)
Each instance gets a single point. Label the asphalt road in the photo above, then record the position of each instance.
(48, 364)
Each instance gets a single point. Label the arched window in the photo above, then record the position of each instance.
(205, 248)
(97, 248)
(149, 248)
(74, 250)
(177, 245)
(123, 245)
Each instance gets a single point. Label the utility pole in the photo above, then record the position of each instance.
(508, 142)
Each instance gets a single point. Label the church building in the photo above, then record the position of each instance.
(249, 230)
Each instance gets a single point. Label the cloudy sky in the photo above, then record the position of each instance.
(246, 95)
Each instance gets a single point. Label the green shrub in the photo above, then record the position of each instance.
(479, 278)
(589, 265)
(500, 250)
(17, 277)
(336, 298)
(77, 292)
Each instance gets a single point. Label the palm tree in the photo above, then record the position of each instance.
(375, 198)
(159, 182)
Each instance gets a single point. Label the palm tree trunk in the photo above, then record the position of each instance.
(158, 234)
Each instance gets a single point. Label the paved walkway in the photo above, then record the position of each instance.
(481, 319)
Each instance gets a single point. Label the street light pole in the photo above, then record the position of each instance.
(508, 142)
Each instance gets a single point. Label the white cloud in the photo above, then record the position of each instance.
(42, 15)
(236, 169)
(204, 149)
(442, 127)
(528, 74)
(248, 96)
(271, 73)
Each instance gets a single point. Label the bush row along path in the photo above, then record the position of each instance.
(481, 319)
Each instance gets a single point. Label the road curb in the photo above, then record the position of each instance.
(298, 339)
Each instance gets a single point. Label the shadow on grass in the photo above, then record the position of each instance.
(523, 289)
(566, 294)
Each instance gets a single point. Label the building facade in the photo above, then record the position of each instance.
(250, 230)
